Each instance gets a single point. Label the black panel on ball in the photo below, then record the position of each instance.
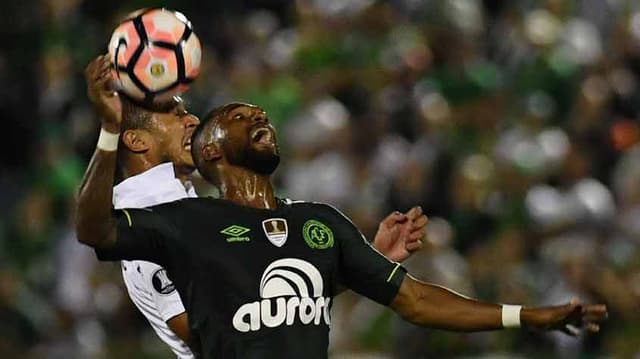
(180, 60)
(164, 45)
(142, 33)
(139, 26)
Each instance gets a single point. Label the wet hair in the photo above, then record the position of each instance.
(134, 117)
(137, 116)
(204, 132)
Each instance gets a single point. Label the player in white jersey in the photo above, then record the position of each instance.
(154, 156)
(154, 164)
(148, 284)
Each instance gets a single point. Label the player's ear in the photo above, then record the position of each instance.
(136, 141)
(211, 152)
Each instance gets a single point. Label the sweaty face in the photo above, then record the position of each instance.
(248, 139)
(172, 135)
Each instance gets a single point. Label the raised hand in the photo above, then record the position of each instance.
(399, 235)
(569, 318)
(101, 92)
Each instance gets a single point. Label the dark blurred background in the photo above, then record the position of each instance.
(513, 123)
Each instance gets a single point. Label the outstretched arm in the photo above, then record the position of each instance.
(434, 306)
(368, 273)
(95, 223)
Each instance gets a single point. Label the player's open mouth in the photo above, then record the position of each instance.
(186, 142)
(262, 135)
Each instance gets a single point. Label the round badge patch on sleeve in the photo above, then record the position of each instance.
(161, 282)
(317, 235)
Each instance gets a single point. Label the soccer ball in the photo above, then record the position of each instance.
(156, 55)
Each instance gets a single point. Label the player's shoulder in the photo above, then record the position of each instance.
(316, 207)
(163, 217)
(146, 267)
(140, 268)
(189, 203)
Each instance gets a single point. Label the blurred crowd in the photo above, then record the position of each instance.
(514, 124)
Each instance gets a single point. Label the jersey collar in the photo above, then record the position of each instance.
(152, 187)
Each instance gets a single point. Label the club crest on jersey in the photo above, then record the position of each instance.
(276, 230)
(317, 235)
(161, 282)
(290, 290)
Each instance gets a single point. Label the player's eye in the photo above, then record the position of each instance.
(238, 116)
(180, 111)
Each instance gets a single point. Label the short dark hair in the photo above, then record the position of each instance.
(200, 137)
(134, 117)
(138, 116)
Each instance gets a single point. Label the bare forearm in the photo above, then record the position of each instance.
(452, 311)
(437, 307)
(95, 225)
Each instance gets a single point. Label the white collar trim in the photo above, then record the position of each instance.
(152, 187)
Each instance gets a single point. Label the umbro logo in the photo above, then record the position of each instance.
(236, 233)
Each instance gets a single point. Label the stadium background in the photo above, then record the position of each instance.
(513, 123)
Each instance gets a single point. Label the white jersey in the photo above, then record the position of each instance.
(147, 283)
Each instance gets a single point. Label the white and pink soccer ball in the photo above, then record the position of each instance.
(156, 55)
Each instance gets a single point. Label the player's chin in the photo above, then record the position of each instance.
(264, 150)
(185, 156)
(186, 164)
(188, 161)
(265, 161)
(265, 147)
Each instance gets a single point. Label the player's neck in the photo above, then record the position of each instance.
(182, 173)
(134, 166)
(247, 188)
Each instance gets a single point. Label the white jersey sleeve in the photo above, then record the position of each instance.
(153, 293)
(164, 294)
